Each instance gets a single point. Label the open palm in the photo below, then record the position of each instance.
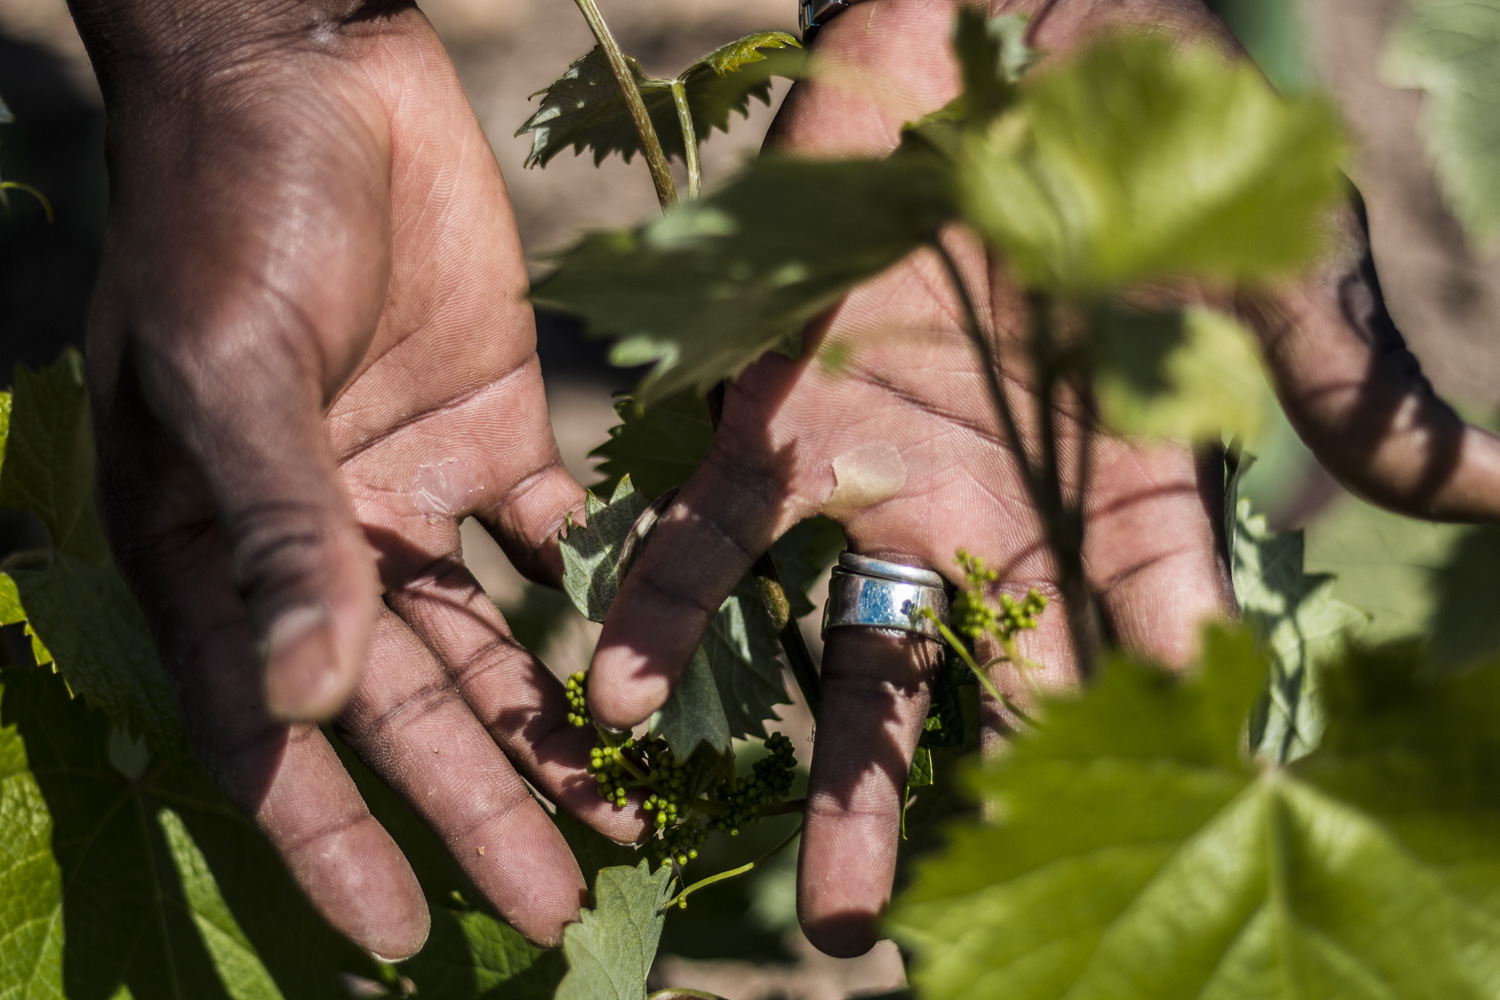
(310, 358)
(903, 447)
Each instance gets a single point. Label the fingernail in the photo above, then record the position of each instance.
(303, 680)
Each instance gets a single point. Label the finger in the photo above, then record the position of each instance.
(1155, 548)
(876, 688)
(730, 512)
(519, 703)
(299, 561)
(528, 514)
(408, 721)
(287, 779)
(1358, 398)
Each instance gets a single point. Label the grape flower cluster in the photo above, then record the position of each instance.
(974, 616)
(682, 816)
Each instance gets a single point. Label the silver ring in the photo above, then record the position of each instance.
(873, 593)
(879, 568)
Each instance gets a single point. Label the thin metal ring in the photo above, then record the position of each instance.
(865, 566)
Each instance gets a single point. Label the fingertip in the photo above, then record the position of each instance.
(404, 940)
(307, 677)
(555, 905)
(362, 885)
(848, 934)
(623, 689)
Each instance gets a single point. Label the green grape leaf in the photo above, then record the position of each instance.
(73, 599)
(11, 613)
(724, 81)
(122, 871)
(706, 289)
(1447, 48)
(591, 552)
(1386, 565)
(583, 108)
(740, 650)
(1192, 375)
(1139, 160)
(992, 56)
(49, 456)
(1299, 624)
(658, 447)
(1465, 627)
(1133, 847)
(611, 950)
(694, 714)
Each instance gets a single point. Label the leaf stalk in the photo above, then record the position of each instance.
(689, 139)
(656, 157)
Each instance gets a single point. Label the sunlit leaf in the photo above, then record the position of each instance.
(1134, 850)
(1191, 375)
(1448, 49)
(714, 284)
(583, 109)
(1298, 622)
(1140, 159)
(591, 551)
(122, 871)
(611, 950)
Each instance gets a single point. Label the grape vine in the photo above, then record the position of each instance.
(683, 813)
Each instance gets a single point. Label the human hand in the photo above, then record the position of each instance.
(310, 358)
(903, 447)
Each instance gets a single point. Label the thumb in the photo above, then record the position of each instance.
(255, 441)
(1358, 398)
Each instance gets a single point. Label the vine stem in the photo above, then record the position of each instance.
(1065, 522)
(689, 139)
(1061, 526)
(656, 158)
(681, 898)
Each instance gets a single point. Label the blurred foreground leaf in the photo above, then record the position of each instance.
(1140, 160)
(1137, 851)
(1422, 582)
(583, 108)
(610, 952)
(1192, 375)
(1448, 49)
(706, 289)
